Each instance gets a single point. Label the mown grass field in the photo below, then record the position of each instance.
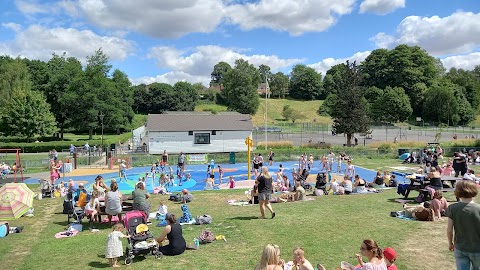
(330, 228)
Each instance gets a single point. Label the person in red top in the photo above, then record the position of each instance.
(390, 257)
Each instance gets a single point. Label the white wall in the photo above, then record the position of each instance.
(176, 142)
(138, 135)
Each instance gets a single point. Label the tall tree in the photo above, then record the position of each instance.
(279, 85)
(392, 106)
(333, 75)
(218, 73)
(27, 114)
(185, 96)
(14, 77)
(161, 97)
(305, 83)
(470, 85)
(264, 73)
(350, 108)
(241, 85)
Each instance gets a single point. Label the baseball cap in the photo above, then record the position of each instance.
(141, 228)
(390, 254)
(80, 185)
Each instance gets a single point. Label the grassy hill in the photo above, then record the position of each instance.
(274, 111)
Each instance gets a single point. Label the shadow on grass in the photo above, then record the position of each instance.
(244, 218)
(99, 265)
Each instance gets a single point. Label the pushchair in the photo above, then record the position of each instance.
(303, 180)
(141, 243)
(47, 188)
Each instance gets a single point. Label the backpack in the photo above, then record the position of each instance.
(206, 236)
(67, 207)
(205, 219)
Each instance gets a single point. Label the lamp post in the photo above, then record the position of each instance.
(266, 98)
(101, 120)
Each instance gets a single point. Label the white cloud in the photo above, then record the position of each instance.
(467, 61)
(166, 18)
(381, 7)
(454, 34)
(197, 65)
(31, 7)
(14, 26)
(171, 78)
(295, 17)
(324, 65)
(37, 42)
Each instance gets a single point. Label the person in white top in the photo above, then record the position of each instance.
(350, 170)
(330, 158)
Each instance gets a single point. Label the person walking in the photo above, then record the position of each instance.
(265, 189)
(464, 220)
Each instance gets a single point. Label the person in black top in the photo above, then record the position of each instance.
(172, 232)
(265, 188)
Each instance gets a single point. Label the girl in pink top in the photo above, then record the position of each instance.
(439, 205)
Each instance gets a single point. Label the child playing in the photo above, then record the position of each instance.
(114, 248)
(92, 208)
(162, 210)
(232, 182)
(390, 257)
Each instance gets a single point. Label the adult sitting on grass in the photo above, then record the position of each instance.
(464, 220)
(300, 192)
(265, 189)
(172, 232)
(113, 202)
(140, 196)
(347, 185)
(270, 259)
(253, 197)
(374, 254)
(359, 185)
(378, 181)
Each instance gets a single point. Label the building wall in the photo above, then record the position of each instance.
(175, 142)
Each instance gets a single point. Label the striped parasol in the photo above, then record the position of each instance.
(15, 200)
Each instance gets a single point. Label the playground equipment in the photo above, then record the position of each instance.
(18, 162)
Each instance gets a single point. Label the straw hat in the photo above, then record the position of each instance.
(141, 228)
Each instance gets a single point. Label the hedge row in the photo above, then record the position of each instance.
(47, 146)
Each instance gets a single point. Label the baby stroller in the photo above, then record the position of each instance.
(141, 241)
(303, 180)
(47, 188)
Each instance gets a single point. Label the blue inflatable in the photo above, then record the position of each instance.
(404, 156)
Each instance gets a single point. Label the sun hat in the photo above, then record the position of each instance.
(390, 254)
(141, 228)
(184, 191)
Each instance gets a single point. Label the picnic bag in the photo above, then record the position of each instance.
(204, 219)
(206, 236)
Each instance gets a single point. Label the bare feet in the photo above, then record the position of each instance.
(116, 265)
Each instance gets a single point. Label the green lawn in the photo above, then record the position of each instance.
(330, 228)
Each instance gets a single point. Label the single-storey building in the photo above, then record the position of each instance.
(198, 132)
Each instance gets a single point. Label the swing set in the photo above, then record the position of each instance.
(18, 162)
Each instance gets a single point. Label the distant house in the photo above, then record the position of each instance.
(197, 132)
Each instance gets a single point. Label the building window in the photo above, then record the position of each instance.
(202, 138)
(190, 133)
(214, 132)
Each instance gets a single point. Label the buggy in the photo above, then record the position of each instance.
(141, 243)
(47, 188)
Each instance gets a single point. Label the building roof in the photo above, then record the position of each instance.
(192, 121)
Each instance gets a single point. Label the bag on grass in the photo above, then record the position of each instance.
(205, 219)
(206, 236)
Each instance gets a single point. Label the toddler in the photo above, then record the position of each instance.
(231, 182)
(114, 248)
(92, 208)
(162, 210)
(390, 257)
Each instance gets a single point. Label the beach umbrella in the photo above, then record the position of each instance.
(15, 200)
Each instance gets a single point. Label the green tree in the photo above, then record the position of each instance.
(161, 97)
(405, 66)
(440, 104)
(141, 99)
(350, 110)
(327, 106)
(14, 77)
(185, 96)
(392, 106)
(470, 85)
(305, 83)
(287, 112)
(333, 75)
(27, 114)
(279, 85)
(218, 73)
(265, 73)
(241, 85)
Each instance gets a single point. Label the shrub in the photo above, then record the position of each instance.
(276, 144)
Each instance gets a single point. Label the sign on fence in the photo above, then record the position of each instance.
(197, 158)
(67, 167)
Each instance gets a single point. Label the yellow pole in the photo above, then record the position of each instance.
(249, 143)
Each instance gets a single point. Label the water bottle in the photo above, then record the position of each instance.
(197, 242)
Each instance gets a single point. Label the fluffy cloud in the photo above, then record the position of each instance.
(467, 62)
(295, 17)
(166, 18)
(381, 7)
(454, 34)
(37, 42)
(197, 65)
(324, 65)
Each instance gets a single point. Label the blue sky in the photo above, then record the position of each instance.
(172, 40)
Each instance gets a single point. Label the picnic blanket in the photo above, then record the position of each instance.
(238, 203)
